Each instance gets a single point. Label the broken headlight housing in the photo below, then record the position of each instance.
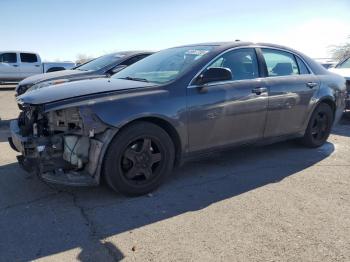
(75, 120)
(65, 120)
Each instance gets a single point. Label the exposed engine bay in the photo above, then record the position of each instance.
(62, 146)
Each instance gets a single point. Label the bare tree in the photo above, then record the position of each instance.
(82, 58)
(341, 52)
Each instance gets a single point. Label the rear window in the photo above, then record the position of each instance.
(28, 58)
(8, 58)
(134, 60)
(101, 62)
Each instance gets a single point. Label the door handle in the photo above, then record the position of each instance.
(15, 65)
(37, 65)
(311, 84)
(259, 90)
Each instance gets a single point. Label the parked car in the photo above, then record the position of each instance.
(176, 104)
(343, 69)
(327, 63)
(17, 65)
(103, 66)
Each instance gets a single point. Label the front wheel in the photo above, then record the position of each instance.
(139, 158)
(319, 127)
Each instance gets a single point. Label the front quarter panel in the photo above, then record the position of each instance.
(164, 103)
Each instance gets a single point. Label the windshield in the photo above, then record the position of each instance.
(344, 64)
(165, 65)
(100, 62)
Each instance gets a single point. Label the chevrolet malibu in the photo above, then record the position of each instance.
(182, 102)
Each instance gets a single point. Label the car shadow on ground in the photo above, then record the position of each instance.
(38, 221)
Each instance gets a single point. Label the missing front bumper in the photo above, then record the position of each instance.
(42, 156)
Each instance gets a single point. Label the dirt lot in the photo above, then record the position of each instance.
(275, 203)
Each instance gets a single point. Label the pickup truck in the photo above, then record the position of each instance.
(17, 65)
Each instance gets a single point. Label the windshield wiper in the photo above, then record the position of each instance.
(135, 79)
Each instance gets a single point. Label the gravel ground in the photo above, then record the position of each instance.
(275, 203)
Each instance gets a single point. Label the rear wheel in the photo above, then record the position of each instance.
(139, 158)
(319, 126)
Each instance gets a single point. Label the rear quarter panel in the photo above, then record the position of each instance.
(332, 88)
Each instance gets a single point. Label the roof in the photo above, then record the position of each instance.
(235, 43)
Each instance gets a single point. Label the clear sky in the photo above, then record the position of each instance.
(63, 29)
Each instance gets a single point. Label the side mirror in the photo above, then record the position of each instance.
(214, 74)
(117, 69)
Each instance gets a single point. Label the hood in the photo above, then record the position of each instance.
(77, 89)
(344, 72)
(53, 75)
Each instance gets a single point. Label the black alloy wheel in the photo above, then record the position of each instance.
(141, 161)
(138, 159)
(319, 127)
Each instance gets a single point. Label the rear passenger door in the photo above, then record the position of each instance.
(291, 87)
(30, 65)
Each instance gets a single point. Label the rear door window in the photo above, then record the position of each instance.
(8, 58)
(280, 63)
(28, 58)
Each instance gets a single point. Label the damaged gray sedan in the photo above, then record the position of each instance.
(179, 103)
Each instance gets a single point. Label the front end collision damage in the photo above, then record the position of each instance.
(64, 138)
(63, 146)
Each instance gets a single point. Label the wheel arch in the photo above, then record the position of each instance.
(329, 101)
(166, 126)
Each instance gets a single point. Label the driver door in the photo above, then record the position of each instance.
(228, 112)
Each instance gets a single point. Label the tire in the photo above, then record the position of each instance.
(319, 127)
(139, 159)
